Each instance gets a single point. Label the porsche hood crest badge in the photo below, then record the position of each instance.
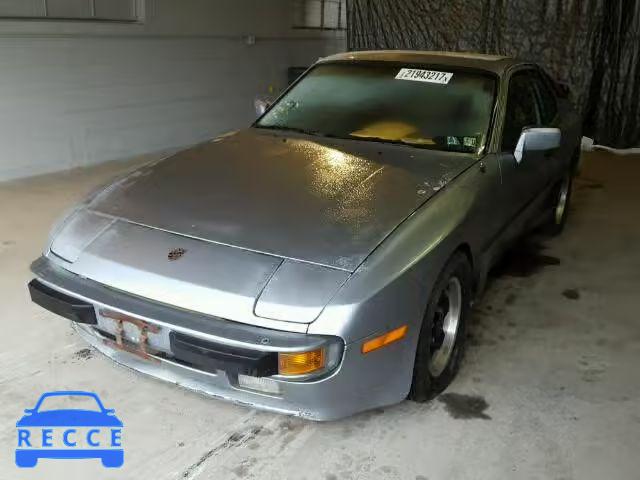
(176, 254)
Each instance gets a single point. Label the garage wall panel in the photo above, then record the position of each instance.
(115, 9)
(21, 8)
(71, 100)
(68, 8)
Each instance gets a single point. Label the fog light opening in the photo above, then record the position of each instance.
(259, 384)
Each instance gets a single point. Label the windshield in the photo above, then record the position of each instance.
(431, 107)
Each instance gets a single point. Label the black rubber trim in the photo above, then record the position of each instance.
(61, 304)
(252, 336)
(212, 357)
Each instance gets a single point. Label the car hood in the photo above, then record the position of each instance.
(323, 201)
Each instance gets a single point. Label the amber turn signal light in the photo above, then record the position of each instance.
(301, 363)
(384, 340)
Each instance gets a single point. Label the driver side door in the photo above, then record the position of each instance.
(522, 181)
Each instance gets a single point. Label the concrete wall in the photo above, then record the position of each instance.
(78, 93)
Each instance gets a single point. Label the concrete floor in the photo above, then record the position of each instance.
(550, 388)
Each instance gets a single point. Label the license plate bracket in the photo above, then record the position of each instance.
(139, 348)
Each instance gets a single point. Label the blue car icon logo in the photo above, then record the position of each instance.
(69, 433)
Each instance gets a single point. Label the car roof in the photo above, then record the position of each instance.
(491, 63)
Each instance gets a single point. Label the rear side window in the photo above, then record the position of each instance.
(522, 109)
(548, 102)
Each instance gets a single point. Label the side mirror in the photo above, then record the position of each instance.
(536, 140)
(28, 410)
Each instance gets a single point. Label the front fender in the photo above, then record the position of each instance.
(392, 287)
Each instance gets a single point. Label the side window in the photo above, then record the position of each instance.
(522, 109)
(548, 100)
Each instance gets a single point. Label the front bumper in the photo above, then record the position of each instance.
(357, 384)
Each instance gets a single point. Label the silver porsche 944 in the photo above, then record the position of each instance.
(323, 261)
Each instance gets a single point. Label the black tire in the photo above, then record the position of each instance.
(426, 385)
(561, 202)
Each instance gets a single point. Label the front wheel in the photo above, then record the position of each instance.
(442, 337)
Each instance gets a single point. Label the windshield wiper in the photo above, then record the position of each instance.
(285, 128)
(402, 141)
(415, 143)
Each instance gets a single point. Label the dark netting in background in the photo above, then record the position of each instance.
(591, 45)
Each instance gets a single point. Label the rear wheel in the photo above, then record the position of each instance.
(561, 201)
(442, 337)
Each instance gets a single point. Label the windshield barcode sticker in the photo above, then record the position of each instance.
(429, 76)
